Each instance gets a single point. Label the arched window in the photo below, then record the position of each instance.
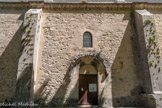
(87, 39)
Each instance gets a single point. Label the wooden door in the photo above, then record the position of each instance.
(88, 89)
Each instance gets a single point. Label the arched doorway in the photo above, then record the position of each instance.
(88, 85)
(89, 63)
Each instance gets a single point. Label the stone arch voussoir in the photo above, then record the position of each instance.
(74, 62)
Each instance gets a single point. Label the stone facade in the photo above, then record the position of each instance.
(57, 56)
(158, 25)
(150, 58)
(113, 37)
(10, 36)
(28, 59)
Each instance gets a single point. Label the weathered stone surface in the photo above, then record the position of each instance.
(61, 54)
(27, 66)
(158, 22)
(152, 100)
(79, 1)
(10, 35)
(113, 38)
(150, 58)
(149, 50)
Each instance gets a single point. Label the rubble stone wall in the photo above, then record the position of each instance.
(10, 36)
(113, 37)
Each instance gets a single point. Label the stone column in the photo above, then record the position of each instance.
(151, 63)
(28, 60)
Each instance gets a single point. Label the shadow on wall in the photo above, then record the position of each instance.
(9, 66)
(60, 95)
(24, 85)
(67, 95)
(126, 84)
(126, 77)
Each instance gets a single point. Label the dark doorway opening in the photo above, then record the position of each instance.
(88, 89)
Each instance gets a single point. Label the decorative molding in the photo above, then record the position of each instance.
(87, 1)
(81, 6)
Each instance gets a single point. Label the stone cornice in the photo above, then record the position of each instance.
(81, 6)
